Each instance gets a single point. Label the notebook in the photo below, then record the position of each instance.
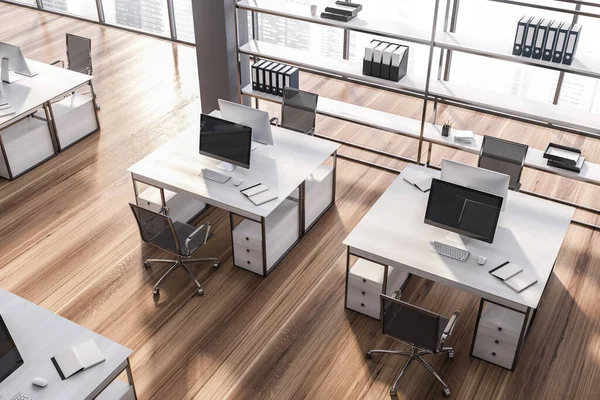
(77, 358)
(521, 281)
(263, 197)
(254, 190)
(420, 179)
(506, 270)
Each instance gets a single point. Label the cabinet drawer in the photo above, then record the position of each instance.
(248, 253)
(494, 350)
(501, 323)
(368, 308)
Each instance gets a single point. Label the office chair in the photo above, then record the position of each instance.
(298, 111)
(424, 331)
(505, 157)
(79, 57)
(175, 237)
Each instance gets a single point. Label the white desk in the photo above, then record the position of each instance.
(28, 95)
(283, 167)
(39, 335)
(530, 233)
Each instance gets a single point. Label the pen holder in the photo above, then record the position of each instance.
(446, 130)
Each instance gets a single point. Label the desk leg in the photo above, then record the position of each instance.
(334, 176)
(130, 378)
(53, 133)
(302, 207)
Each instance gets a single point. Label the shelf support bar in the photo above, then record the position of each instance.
(453, 21)
(426, 93)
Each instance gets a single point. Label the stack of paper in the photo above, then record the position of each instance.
(514, 276)
(259, 194)
(5, 109)
(463, 136)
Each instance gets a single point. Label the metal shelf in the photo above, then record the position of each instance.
(582, 65)
(311, 62)
(300, 12)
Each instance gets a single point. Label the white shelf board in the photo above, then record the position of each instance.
(301, 12)
(409, 127)
(315, 62)
(503, 50)
(561, 116)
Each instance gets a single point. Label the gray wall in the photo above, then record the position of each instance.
(214, 26)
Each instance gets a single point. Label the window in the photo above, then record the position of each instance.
(184, 20)
(81, 8)
(145, 15)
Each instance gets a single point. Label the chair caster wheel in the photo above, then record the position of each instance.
(200, 292)
(147, 264)
(369, 355)
(450, 354)
(155, 292)
(393, 392)
(446, 392)
(216, 264)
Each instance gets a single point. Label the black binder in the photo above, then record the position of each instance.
(261, 75)
(281, 79)
(386, 60)
(399, 64)
(292, 78)
(530, 37)
(268, 77)
(368, 58)
(520, 35)
(276, 79)
(377, 57)
(551, 40)
(255, 69)
(540, 39)
(561, 42)
(571, 47)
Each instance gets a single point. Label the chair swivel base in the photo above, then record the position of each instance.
(415, 354)
(179, 263)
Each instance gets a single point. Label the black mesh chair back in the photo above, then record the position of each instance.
(156, 228)
(79, 54)
(505, 157)
(299, 110)
(411, 324)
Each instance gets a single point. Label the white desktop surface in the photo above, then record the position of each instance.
(27, 93)
(39, 335)
(282, 167)
(530, 233)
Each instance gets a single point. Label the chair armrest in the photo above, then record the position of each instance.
(449, 328)
(193, 234)
(61, 62)
(274, 121)
(311, 132)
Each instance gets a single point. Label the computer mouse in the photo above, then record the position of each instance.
(481, 260)
(41, 382)
(237, 182)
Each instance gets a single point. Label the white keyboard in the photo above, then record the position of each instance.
(450, 251)
(21, 396)
(214, 175)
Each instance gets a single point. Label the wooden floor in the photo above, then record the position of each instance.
(69, 243)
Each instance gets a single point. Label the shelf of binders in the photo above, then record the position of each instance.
(560, 116)
(473, 44)
(312, 62)
(301, 12)
(408, 127)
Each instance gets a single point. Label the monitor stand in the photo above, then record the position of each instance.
(456, 238)
(225, 166)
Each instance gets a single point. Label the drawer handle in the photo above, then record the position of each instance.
(494, 354)
(364, 280)
(496, 341)
(363, 293)
(247, 250)
(247, 238)
(248, 262)
(362, 304)
(500, 329)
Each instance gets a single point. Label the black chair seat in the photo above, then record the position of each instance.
(164, 239)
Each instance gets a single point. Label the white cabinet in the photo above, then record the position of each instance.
(75, 118)
(117, 390)
(365, 285)
(282, 229)
(26, 143)
(182, 207)
(319, 194)
(497, 336)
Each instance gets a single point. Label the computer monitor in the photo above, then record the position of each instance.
(476, 178)
(225, 141)
(16, 62)
(462, 210)
(10, 359)
(258, 120)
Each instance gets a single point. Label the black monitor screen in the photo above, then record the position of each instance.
(10, 359)
(462, 210)
(225, 141)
